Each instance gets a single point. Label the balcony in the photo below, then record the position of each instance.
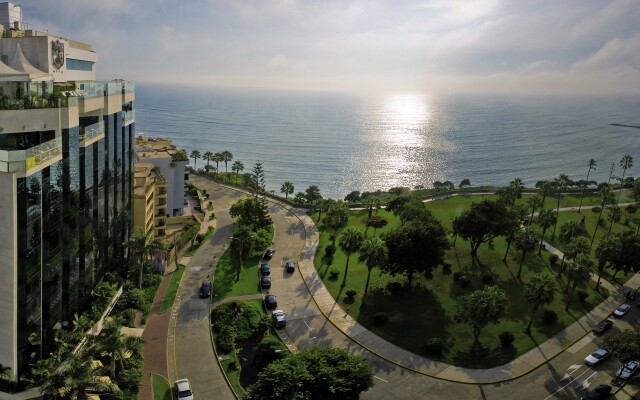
(128, 117)
(92, 133)
(25, 160)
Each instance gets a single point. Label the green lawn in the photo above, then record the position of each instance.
(204, 240)
(225, 284)
(172, 289)
(427, 310)
(161, 388)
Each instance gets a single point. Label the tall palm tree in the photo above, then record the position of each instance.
(118, 346)
(208, 156)
(615, 214)
(518, 215)
(373, 253)
(577, 246)
(350, 242)
(592, 166)
(606, 252)
(195, 154)
(525, 241)
(578, 271)
(226, 157)
(217, 158)
(561, 183)
(546, 218)
(337, 217)
(606, 197)
(287, 188)
(569, 230)
(625, 164)
(534, 202)
(237, 167)
(539, 291)
(545, 187)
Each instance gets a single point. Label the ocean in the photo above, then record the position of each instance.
(343, 142)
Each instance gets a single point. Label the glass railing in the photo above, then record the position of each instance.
(91, 131)
(42, 153)
(93, 89)
(128, 117)
(129, 87)
(114, 88)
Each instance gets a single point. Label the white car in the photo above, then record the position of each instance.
(183, 389)
(596, 357)
(628, 370)
(622, 310)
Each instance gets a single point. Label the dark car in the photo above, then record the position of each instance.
(205, 289)
(279, 319)
(599, 393)
(265, 282)
(628, 370)
(265, 269)
(602, 327)
(290, 266)
(270, 302)
(268, 254)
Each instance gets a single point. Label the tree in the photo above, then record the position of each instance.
(546, 218)
(481, 308)
(352, 197)
(606, 197)
(374, 254)
(314, 374)
(140, 248)
(417, 246)
(237, 167)
(226, 157)
(570, 230)
(577, 246)
(539, 291)
(312, 194)
(607, 252)
(592, 166)
(337, 218)
(561, 183)
(546, 188)
(578, 271)
(481, 223)
(625, 163)
(518, 217)
(242, 244)
(350, 242)
(625, 345)
(267, 351)
(259, 182)
(300, 198)
(119, 347)
(376, 222)
(534, 202)
(218, 158)
(464, 183)
(195, 154)
(287, 188)
(510, 193)
(372, 202)
(615, 214)
(207, 156)
(251, 212)
(628, 258)
(526, 240)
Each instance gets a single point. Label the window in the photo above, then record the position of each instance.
(79, 65)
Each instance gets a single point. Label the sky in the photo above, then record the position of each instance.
(556, 46)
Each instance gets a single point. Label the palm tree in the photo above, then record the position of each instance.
(539, 291)
(569, 230)
(606, 197)
(287, 188)
(545, 187)
(337, 217)
(237, 167)
(217, 157)
(209, 157)
(195, 154)
(606, 252)
(625, 164)
(579, 271)
(119, 346)
(518, 216)
(592, 166)
(373, 253)
(350, 242)
(561, 183)
(226, 157)
(534, 202)
(546, 218)
(615, 214)
(577, 246)
(525, 241)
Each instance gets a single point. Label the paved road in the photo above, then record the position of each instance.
(562, 378)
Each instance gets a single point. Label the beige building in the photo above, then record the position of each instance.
(149, 201)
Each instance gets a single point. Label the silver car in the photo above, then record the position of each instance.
(628, 370)
(596, 357)
(183, 389)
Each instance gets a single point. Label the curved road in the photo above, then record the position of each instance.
(191, 355)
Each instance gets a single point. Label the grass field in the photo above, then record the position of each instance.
(172, 289)
(428, 309)
(161, 388)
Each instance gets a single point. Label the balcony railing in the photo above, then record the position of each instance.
(128, 117)
(24, 160)
(92, 131)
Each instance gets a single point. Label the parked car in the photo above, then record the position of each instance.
(597, 356)
(622, 310)
(265, 282)
(268, 254)
(628, 370)
(279, 319)
(205, 289)
(270, 302)
(183, 389)
(602, 327)
(290, 266)
(599, 393)
(265, 269)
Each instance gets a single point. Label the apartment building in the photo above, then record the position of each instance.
(149, 201)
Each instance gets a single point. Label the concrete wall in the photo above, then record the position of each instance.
(8, 271)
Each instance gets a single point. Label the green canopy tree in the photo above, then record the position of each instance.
(312, 195)
(539, 291)
(607, 252)
(350, 242)
(481, 308)
(624, 345)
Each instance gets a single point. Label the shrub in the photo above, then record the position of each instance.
(457, 275)
(333, 274)
(380, 318)
(394, 287)
(582, 295)
(506, 338)
(595, 210)
(464, 281)
(553, 259)
(549, 317)
(329, 250)
(487, 278)
(227, 339)
(434, 346)
(351, 293)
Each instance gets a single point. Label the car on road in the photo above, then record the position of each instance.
(290, 266)
(268, 254)
(265, 282)
(602, 327)
(265, 269)
(270, 302)
(205, 289)
(183, 389)
(597, 356)
(599, 393)
(628, 370)
(622, 310)
(279, 319)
